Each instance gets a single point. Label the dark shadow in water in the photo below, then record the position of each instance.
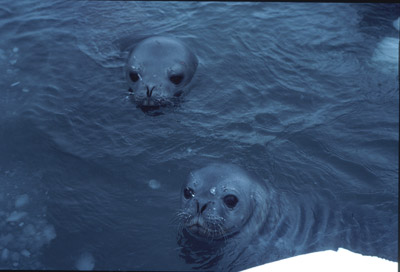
(152, 110)
(203, 255)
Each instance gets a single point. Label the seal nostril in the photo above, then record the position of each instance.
(203, 208)
(149, 92)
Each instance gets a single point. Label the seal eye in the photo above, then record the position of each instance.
(231, 201)
(176, 79)
(188, 193)
(133, 76)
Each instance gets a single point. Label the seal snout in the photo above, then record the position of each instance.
(203, 207)
(149, 91)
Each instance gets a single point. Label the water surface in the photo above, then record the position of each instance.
(299, 94)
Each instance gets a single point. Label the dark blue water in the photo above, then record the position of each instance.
(300, 95)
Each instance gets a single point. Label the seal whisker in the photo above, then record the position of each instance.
(180, 216)
(222, 232)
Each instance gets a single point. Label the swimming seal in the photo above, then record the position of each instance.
(230, 221)
(223, 211)
(158, 69)
(222, 200)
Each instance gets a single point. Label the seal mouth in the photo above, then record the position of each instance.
(150, 103)
(197, 228)
(153, 105)
(201, 228)
(200, 231)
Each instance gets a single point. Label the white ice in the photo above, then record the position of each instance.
(21, 200)
(386, 54)
(23, 228)
(342, 260)
(16, 216)
(25, 253)
(85, 262)
(396, 23)
(49, 233)
(387, 51)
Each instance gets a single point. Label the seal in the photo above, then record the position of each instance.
(221, 201)
(230, 220)
(158, 69)
(226, 218)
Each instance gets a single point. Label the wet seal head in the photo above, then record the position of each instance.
(157, 71)
(220, 201)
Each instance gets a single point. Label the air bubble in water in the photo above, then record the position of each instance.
(154, 184)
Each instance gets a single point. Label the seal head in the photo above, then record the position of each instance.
(219, 201)
(158, 69)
